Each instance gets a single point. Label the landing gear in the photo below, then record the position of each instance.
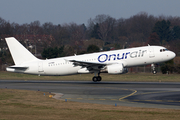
(153, 69)
(96, 78)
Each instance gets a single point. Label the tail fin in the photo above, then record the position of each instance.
(18, 52)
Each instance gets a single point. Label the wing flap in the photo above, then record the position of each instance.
(84, 63)
(91, 66)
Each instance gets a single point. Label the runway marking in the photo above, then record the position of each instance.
(170, 101)
(135, 91)
(68, 98)
(131, 101)
(113, 99)
(155, 92)
(120, 99)
(79, 98)
(151, 101)
(91, 99)
(102, 99)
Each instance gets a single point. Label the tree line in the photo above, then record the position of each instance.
(137, 30)
(103, 31)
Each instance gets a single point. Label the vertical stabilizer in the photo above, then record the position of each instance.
(18, 52)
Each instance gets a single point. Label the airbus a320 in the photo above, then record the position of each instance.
(114, 62)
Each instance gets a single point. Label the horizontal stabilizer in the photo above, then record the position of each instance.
(16, 68)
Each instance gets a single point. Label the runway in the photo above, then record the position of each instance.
(134, 94)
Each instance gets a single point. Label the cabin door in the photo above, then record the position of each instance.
(151, 52)
(40, 67)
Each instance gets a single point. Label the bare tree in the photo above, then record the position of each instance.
(153, 39)
(106, 26)
(35, 28)
(77, 35)
(48, 28)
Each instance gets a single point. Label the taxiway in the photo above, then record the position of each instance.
(135, 94)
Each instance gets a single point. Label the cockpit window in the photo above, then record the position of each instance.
(162, 50)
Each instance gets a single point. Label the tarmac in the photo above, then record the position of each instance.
(135, 94)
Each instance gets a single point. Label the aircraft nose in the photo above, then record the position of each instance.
(173, 55)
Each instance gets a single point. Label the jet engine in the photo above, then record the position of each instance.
(83, 70)
(116, 69)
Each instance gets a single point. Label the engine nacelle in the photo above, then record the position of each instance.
(83, 70)
(116, 69)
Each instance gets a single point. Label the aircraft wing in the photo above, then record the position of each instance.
(91, 66)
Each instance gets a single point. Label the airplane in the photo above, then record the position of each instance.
(114, 62)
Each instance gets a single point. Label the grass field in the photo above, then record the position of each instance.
(134, 77)
(33, 105)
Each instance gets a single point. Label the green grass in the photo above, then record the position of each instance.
(5, 96)
(134, 77)
(28, 105)
(23, 104)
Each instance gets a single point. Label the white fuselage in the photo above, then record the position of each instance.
(128, 57)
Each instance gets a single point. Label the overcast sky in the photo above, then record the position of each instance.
(79, 11)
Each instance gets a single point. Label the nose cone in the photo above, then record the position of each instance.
(173, 55)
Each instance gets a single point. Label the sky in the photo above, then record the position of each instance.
(80, 11)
